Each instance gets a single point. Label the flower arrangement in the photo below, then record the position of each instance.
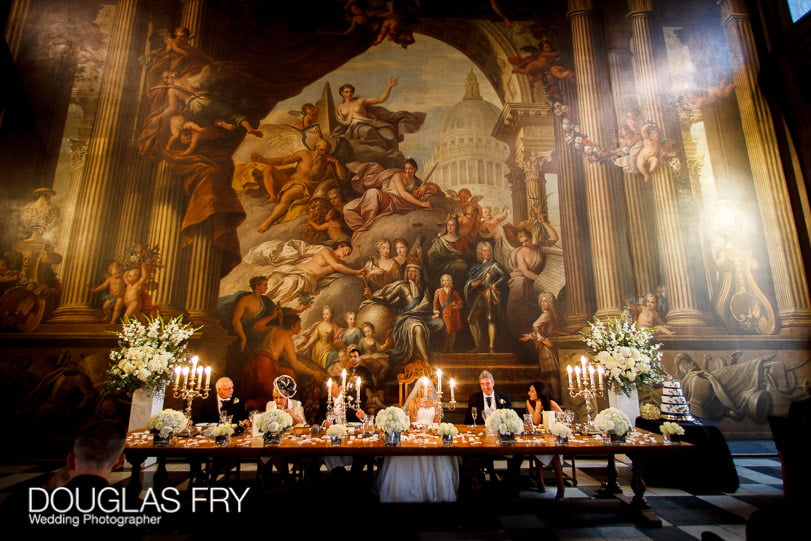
(504, 421)
(147, 354)
(223, 430)
(447, 429)
(560, 430)
(275, 421)
(614, 421)
(650, 412)
(336, 431)
(392, 419)
(626, 354)
(671, 429)
(167, 422)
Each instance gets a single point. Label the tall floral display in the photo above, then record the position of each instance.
(144, 362)
(629, 358)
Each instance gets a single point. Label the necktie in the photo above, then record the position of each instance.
(489, 402)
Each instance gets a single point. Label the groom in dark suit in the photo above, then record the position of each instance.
(223, 400)
(487, 400)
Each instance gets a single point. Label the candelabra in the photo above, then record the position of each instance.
(337, 406)
(584, 386)
(189, 385)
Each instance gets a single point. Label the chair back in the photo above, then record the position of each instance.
(411, 373)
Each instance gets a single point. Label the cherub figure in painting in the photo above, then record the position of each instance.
(333, 225)
(134, 290)
(647, 315)
(652, 152)
(539, 61)
(114, 297)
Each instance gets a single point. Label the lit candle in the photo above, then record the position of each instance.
(194, 360)
(591, 375)
(600, 372)
(177, 375)
(329, 390)
(343, 378)
(583, 363)
(577, 374)
(439, 380)
(357, 388)
(208, 376)
(569, 369)
(453, 386)
(199, 376)
(185, 376)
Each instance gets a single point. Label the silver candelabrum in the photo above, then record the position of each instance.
(584, 386)
(189, 385)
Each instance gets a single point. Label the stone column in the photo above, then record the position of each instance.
(99, 179)
(202, 287)
(785, 259)
(607, 225)
(531, 163)
(518, 190)
(638, 198)
(17, 16)
(687, 305)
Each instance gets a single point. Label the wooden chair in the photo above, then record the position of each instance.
(411, 373)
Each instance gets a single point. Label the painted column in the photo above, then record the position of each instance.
(17, 16)
(607, 225)
(203, 284)
(785, 259)
(638, 197)
(99, 179)
(687, 306)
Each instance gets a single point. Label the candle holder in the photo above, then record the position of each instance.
(586, 388)
(191, 387)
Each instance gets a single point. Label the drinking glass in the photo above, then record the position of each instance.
(529, 426)
(474, 412)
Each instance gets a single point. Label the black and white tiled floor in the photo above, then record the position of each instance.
(347, 514)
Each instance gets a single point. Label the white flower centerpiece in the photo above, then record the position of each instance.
(447, 431)
(615, 422)
(336, 433)
(165, 424)
(273, 423)
(392, 421)
(506, 423)
(650, 412)
(670, 429)
(222, 433)
(561, 432)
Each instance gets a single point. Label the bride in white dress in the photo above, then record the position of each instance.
(419, 478)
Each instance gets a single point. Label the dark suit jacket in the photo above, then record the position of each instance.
(477, 400)
(206, 410)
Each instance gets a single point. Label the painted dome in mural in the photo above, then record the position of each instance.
(472, 113)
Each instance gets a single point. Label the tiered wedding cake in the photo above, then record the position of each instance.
(674, 406)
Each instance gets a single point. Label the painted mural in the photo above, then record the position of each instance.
(434, 181)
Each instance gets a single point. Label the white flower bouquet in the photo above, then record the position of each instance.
(626, 354)
(147, 354)
(167, 422)
(650, 412)
(614, 421)
(447, 429)
(275, 421)
(336, 431)
(560, 430)
(392, 419)
(223, 430)
(504, 421)
(671, 429)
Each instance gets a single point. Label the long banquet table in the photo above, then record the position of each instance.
(471, 442)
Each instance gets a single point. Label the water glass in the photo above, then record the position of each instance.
(529, 426)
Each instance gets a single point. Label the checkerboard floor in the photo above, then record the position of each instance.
(485, 516)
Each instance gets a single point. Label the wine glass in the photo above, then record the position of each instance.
(474, 412)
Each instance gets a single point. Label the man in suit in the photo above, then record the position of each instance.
(487, 400)
(222, 401)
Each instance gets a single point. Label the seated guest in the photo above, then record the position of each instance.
(488, 399)
(222, 401)
(539, 399)
(293, 407)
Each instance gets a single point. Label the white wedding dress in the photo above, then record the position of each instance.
(419, 478)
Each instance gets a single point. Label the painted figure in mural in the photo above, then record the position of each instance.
(490, 222)
(114, 297)
(400, 251)
(291, 193)
(448, 306)
(540, 60)
(738, 390)
(693, 100)
(321, 338)
(525, 263)
(350, 335)
(373, 131)
(486, 293)
(415, 323)
(652, 151)
(383, 269)
(385, 191)
(276, 356)
(373, 353)
(333, 225)
(135, 300)
(647, 315)
(249, 309)
(309, 116)
(450, 253)
(543, 329)
(294, 267)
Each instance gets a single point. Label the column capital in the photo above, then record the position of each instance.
(515, 116)
(639, 8)
(618, 37)
(580, 7)
(532, 162)
(733, 9)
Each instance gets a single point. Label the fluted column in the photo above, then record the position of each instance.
(574, 229)
(785, 259)
(518, 190)
(99, 183)
(687, 306)
(607, 225)
(17, 15)
(638, 197)
(536, 183)
(203, 284)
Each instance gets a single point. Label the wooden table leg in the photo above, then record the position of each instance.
(558, 477)
(137, 462)
(611, 486)
(638, 506)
